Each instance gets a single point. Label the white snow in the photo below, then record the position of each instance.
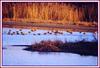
(15, 55)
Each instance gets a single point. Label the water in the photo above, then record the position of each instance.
(29, 38)
(15, 55)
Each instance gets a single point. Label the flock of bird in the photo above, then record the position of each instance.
(21, 32)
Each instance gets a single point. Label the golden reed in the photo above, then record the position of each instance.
(60, 12)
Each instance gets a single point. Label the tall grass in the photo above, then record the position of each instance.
(48, 11)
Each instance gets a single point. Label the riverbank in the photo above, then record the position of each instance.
(81, 48)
